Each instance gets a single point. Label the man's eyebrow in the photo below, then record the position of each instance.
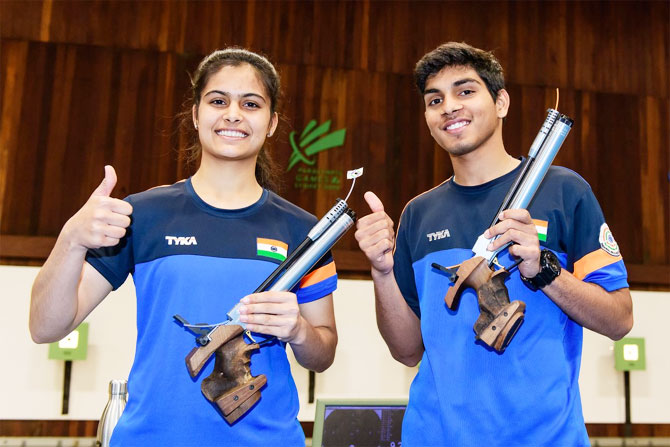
(454, 84)
(465, 81)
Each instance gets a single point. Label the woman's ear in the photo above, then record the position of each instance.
(273, 124)
(502, 103)
(194, 113)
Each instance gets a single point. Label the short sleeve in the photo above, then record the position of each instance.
(114, 263)
(319, 282)
(402, 265)
(594, 253)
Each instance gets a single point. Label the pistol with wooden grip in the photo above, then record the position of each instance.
(230, 386)
(499, 319)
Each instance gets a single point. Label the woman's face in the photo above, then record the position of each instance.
(234, 117)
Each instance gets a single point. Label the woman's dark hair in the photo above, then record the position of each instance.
(455, 54)
(267, 173)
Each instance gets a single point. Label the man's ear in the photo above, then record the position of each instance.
(502, 103)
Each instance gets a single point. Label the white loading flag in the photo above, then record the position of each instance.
(354, 173)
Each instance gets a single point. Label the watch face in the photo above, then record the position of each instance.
(550, 268)
(550, 260)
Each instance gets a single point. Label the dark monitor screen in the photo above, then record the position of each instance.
(358, 423)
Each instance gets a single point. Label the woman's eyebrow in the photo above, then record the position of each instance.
(244, 95)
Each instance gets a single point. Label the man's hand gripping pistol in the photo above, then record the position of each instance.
(498, 318)
(230, 386)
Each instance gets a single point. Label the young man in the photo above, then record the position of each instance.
(465, 393)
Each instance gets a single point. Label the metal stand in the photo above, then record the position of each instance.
(628, 427)
(312, 382)
(66, 386)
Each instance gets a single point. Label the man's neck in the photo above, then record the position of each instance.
(482, 165)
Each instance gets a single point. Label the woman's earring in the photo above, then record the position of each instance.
(196, 126)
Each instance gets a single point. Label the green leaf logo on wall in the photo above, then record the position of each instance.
(311, 144)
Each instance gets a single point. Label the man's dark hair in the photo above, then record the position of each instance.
(455, 54)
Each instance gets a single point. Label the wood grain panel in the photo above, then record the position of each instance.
(108, 90)
(655, 187)
(13, 68)
(587, 45)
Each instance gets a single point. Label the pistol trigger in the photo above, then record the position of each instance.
(495, 262)
(248, 334)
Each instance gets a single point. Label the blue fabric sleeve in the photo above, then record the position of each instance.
(402, 265)
(587, 238)
(320, 289)
(114, 263)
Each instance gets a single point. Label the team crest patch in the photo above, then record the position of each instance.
(607, 241)
(271, 248)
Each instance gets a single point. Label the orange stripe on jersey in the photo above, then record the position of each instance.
(593, 261)
(319, 275)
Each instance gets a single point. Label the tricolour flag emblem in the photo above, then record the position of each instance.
(271, 248)
(541, 226)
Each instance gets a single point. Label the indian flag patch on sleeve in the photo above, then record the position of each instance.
(271, 248)
(541, 226)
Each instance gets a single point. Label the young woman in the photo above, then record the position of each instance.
(195, 248)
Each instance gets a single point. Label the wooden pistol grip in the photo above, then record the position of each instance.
(231, 386)
(499, 332)
(471, 273)
(498, 318)
(236, 402)
(197, 358)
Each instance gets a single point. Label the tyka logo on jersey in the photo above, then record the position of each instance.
(181, 240)
(438, 235)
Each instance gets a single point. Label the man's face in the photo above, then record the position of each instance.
(460, 112)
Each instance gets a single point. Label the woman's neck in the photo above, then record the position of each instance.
(227, 185)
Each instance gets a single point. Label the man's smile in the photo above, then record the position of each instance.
(454, 126)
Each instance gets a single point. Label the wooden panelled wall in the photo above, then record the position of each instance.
(85, 84)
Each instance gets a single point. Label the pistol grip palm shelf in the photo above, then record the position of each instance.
(498, 318)
(230, 385)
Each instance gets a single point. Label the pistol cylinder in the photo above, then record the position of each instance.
(331, 216)
(552, 114)
(544, 159)
(315, 252)
(540, 138)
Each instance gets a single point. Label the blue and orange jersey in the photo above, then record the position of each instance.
(465, 391)
(189, 258)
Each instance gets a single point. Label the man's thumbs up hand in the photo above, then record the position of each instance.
(375, 235)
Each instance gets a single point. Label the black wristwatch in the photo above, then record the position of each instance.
(550, 268)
